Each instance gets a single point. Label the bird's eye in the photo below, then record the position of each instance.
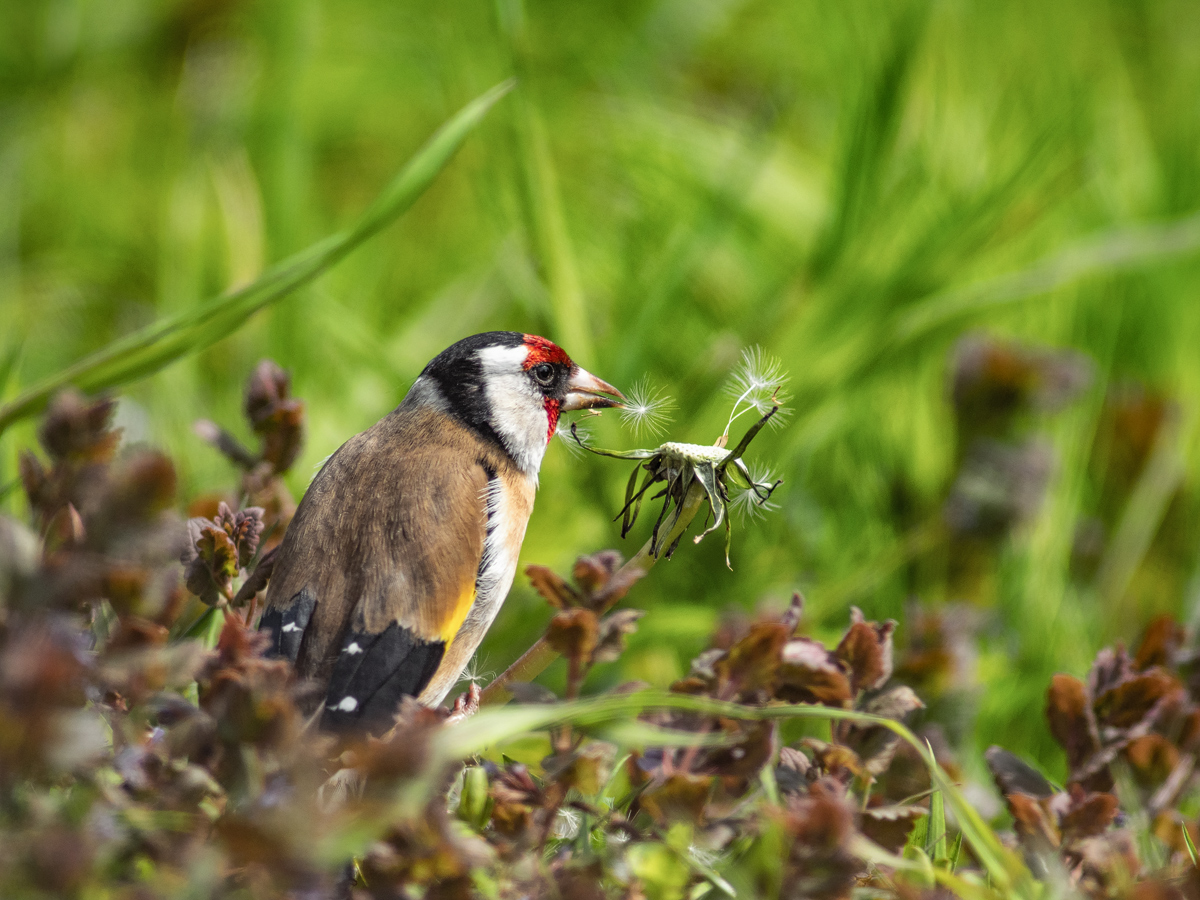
(544, 373)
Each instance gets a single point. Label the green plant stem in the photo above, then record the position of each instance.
(534, 661)
(1144, 511)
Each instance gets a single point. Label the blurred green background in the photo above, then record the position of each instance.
(852, 186)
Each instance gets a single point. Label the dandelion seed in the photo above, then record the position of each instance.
(572, 435)
(475, 674)
(704, 855)
(782, 414)
(647, 410)
(758, 373)
(754, 500)
(747, 504)
(566, 824)
(756, 384)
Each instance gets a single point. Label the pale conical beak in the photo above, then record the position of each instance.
(586, 391)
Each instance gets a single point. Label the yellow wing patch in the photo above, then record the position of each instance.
(457, 615)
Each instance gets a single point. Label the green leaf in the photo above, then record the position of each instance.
(635, 733)
(917, 838)
(707, 476)
(770, 786)
(660, 870)
(955, 853)
(157, 345)
(207, 629)
(474, 804)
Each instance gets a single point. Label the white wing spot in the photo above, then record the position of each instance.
(353, 648)
(290, 626)
(347, 704)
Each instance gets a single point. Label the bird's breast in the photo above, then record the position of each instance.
(508, 501)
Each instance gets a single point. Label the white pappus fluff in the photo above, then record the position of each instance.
(647, 410)
(752, 502)
(757, 384)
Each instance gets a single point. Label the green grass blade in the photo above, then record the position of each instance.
(549, 227)
(8, 364)
(543, 198)
(9, 361)
(1191, 846)
(1110, 252)
(955, 853)
(920, 869)
(946, 312)
(207, 629)
(918, 838)
(161, 343)
(870, 140)
(935, 839)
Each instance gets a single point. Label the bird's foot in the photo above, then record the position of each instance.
(465, 705)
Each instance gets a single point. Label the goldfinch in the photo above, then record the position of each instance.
(405, 544)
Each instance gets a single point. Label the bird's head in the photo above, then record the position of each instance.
(511, 388)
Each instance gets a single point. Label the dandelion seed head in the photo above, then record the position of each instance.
(647, 410)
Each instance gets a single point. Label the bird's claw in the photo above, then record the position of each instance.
(465, 705)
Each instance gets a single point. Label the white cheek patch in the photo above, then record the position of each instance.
(503, 360)
(518, 410)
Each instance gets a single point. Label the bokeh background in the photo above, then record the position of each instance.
(968, 231)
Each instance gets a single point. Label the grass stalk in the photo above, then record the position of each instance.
(543, 198)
